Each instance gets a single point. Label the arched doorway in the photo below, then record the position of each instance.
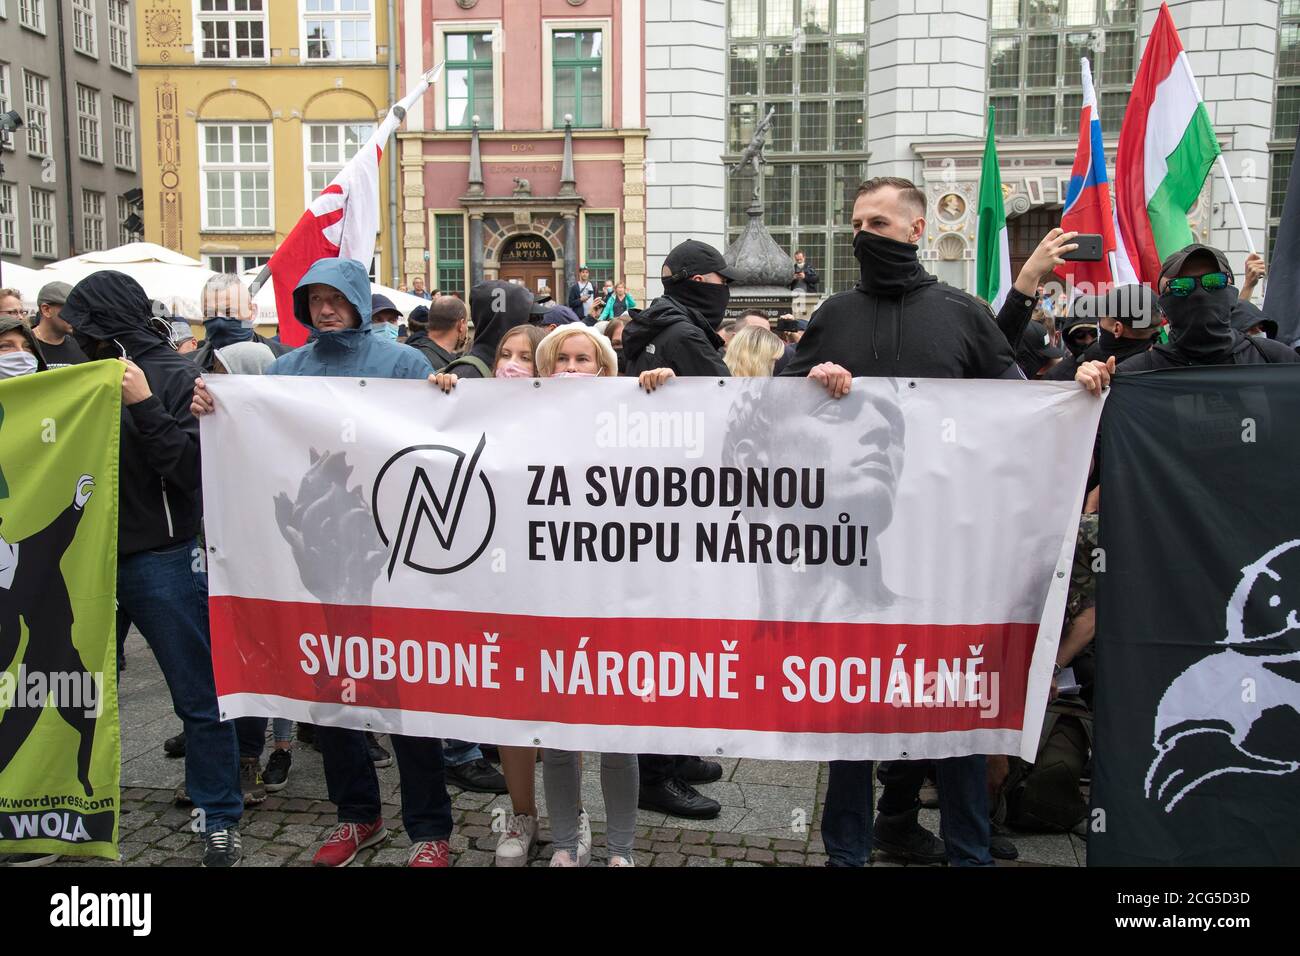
(529, 260)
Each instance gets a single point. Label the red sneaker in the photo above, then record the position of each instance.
(346, 839)
(430, 853)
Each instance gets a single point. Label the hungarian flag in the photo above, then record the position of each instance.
(1088, 203)
(1166, 148)
(342, 221)
(993, 266)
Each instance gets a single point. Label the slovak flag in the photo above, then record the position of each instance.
(1089, 207)
(342, 221)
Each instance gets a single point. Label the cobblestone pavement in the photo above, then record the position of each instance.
(770, 809)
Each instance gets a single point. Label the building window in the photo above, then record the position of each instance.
(42, 210)
(31, 14)
(1034, 51)
(237, 264)
(36, 94)
(450, 251)
(83, 28)
(235, 172)
(92, 220)
(338, 29)
(9, 219)
(600, 247)
(88, 138)
(124, 233)
(807, 61)
(1286, 114)
(119, 34)
(123, 134)
(469, 80)
(232, 29)
(578, 66)
(6, 139)
(329, 147)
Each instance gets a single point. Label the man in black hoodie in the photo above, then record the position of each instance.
(162, 582)
(901, 322)
(679, 330)
(496, 307)
(1197, 297)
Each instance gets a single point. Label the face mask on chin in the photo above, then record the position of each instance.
(15, 364)
(887, 266)
(710, 299)
(574, 375)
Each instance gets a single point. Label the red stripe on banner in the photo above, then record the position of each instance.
(739, 675)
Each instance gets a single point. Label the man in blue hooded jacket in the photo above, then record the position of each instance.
(333, 300)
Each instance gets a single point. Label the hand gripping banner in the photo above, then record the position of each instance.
(743, 567)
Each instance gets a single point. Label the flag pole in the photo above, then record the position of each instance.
(1236, 204)
(398, 110)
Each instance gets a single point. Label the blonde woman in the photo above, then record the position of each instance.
(752, 352)
(573, 351)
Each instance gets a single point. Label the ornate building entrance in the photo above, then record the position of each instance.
(529, 260)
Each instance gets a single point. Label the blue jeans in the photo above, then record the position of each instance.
(353, 785)
(846, 815)
(167, 599)
(963, 803)
(457, 752)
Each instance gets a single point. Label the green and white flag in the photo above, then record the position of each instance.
(60, 748)
(993, 264)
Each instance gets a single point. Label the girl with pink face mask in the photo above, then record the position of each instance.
(514, 358)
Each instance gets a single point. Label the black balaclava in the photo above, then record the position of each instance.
(888, 267)
(1200, 325)
(708, 298)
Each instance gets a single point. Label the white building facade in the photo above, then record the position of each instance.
(902, 87)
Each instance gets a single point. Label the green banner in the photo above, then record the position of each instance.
(60, 747)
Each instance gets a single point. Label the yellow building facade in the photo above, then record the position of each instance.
(249, 108)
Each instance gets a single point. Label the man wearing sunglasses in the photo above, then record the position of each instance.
(1197, 294)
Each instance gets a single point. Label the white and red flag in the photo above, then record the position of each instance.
(740, 566)
(342, 221)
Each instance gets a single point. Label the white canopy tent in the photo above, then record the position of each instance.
(174, 279)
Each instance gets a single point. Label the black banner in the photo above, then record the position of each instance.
(1198, 621)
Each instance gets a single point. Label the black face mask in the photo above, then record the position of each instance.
(1199, 325)
(223, 330)
(1076, 348)
(888, 267)
(708, 298)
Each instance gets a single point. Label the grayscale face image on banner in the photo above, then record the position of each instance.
(1198, 621)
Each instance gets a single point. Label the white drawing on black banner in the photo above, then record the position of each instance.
(410, 492)
(1208, 712)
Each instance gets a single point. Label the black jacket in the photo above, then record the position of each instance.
(930, 331)
(670, 335)
(1246, 351)
(1064, 370)
(159, 483)
(438, 357)
(206, 354)
(575, 297)
(810, 277)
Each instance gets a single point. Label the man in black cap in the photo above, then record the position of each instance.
(679, 330)
(57, 344)
(1035, 353)
(1127, 322)
(1078, 331)
(1197, 297)
(385, 318)
(581, 293)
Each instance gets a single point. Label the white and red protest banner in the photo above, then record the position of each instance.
(743, 567)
